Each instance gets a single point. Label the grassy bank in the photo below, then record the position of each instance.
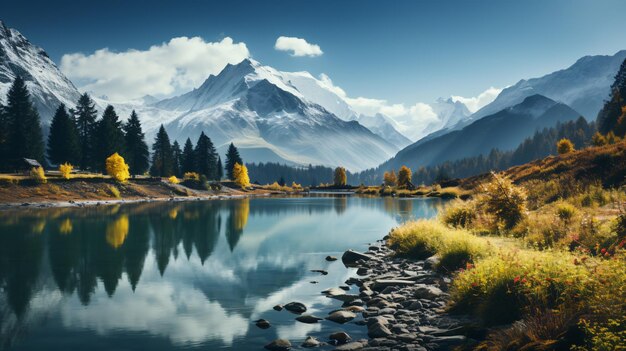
(540, 263)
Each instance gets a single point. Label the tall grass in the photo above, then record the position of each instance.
(424, 238)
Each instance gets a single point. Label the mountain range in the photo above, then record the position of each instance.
(297, 119)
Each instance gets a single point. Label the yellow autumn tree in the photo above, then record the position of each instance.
(66, 170)
(598, 139)
(240, 173)
(117, 231)
(404, 176)
(564, 146)
(173, 180)
(38, 175)
(117, 168)
(390, 178)
(340, 177)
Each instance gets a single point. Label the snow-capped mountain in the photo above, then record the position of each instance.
(449, 114)
(385, 127)
(47, 85)
(584, 86)
(269, 119)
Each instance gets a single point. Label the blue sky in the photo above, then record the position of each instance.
(400, 51)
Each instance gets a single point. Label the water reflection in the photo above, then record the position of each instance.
(172, 275)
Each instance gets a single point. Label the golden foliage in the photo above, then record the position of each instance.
(241, 213)
(564, 146)
(504, 200)
(173, 180)
(191, 176)
(117, 231)
(66, 226)
(66, 170)
(240, 173)
(38, 175)
(390, 179)
(404, 176)
(598, 139)
(340, 178)
(117, 168)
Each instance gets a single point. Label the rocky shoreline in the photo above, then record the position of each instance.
(402, 303)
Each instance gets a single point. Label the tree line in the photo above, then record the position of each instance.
(79, 138)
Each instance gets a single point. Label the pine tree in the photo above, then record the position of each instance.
(85, 114)
(177, 156)
(25, 139)
(609, 115)
(188, 162)
(206, 157)
(137, 153)
(232, 157)
(4, 139)
(63, 145)
(162, 157)
(219, 168)
(110, 137)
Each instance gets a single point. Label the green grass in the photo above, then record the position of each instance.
(455, 248)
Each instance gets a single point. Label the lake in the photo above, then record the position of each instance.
(182, 275)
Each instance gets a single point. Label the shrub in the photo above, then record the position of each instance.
(66, 170)
(565, 212)
(498, 288)
(117, 168)
(564, 146)
(191, 176)
(340, 178)
(504, 200)
(390, 179)
(459, 214)
(424, 238)
(38, 175)
(173, 180)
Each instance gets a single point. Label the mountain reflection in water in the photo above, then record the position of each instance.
(165, 276)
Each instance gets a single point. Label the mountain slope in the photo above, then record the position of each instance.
(47, 85)
(269, 119)
(503, 130)
(584, 86)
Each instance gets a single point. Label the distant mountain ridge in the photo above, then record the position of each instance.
(503, 130)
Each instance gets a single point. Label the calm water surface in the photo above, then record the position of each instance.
(187, 275)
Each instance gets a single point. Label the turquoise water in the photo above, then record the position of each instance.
(183, 275)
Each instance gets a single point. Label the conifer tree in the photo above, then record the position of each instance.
(206, 157)
(4, 139)
(85, 115)
(63, 145)
(232, 157)
(137, 154)
(110, 137)
(177, 156)
(188, 162)
(162, 157)
(609, 116)
(219, 168)
(25, 138)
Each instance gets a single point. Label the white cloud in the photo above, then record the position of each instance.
(477, 102)
(297, 46)
(176, 66)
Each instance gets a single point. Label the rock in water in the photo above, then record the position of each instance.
(311, 342)
(263, 324)
(295, 307)
(341, 317)
(340, 337)
(278, 308)
(309, 319)
(279, 345)
(350, 257)
(331, 258)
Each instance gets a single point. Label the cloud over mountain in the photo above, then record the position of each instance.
(172, 67)
(298, 47)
